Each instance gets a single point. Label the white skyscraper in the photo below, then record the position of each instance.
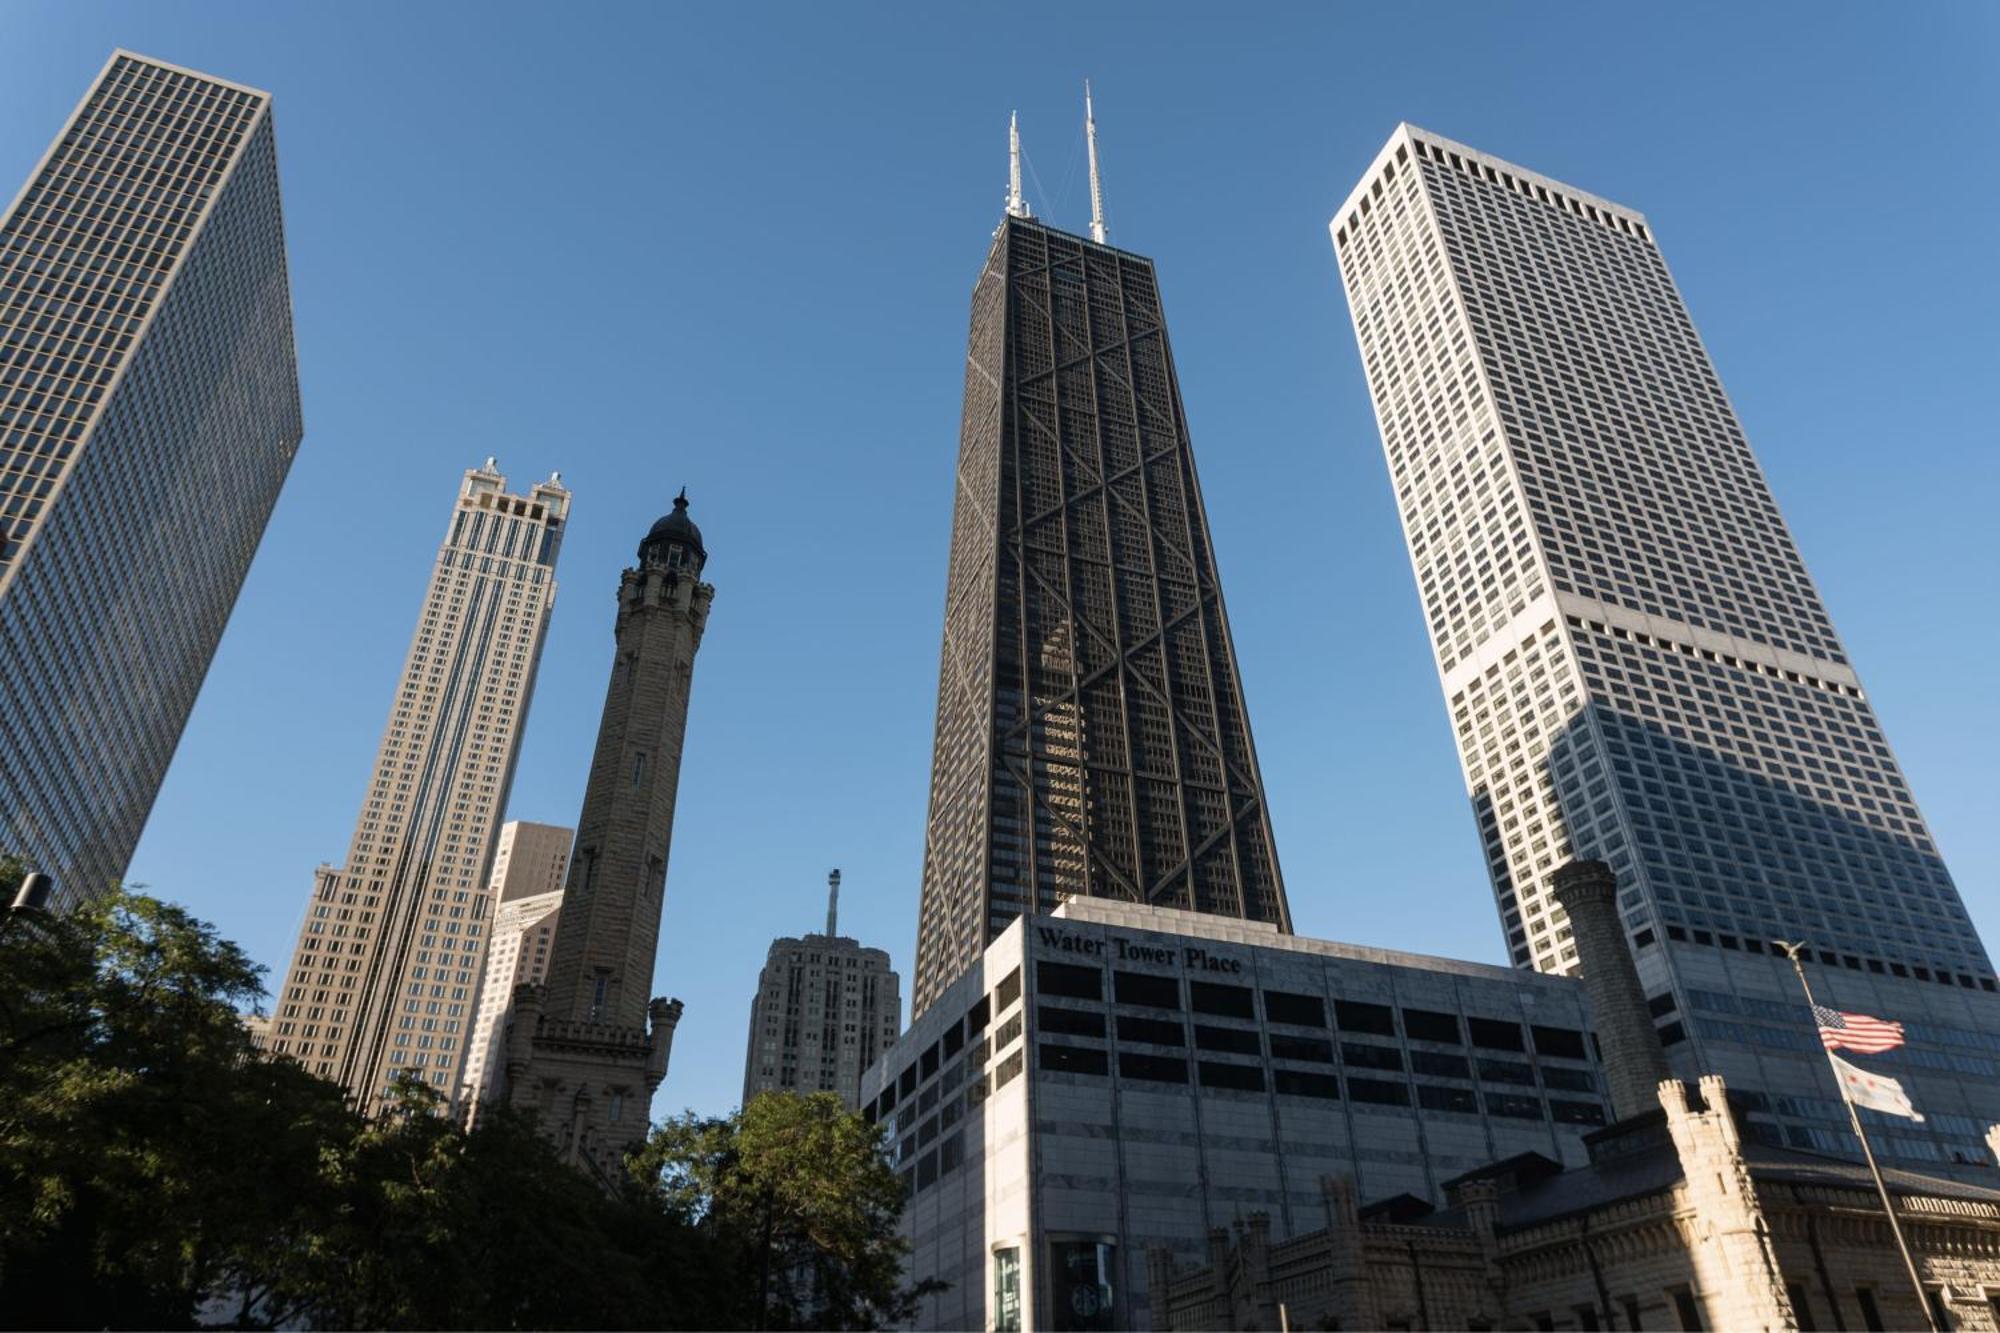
(524, 898)
(1637, 666)
(393, 942)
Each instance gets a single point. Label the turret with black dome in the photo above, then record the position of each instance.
(675, 542)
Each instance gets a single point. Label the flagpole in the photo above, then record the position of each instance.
(1792, 951)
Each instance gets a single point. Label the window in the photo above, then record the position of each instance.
(1568, 1080)
(1513, 1106)
(1378, 1092)
(1429, 1025)
(1300, 1010)
(1576, 1113)
(1072, 1059)
(1507, 1071)
(1871, 1315)
(1070, 981)
(1801, 1307)
(1305, 1083)
(1072, 1022)
(1243, 1078)
(1435, 1097)
(1631, 1304)
(1213, 997)
(1007, 1291)
(1152, 1068)
(1236, 1041)
(1009, 1067)
(1566, 1043)
(1495, 1034)
(1355, 1016)
(1008, 991)
(1082, 1294)
(1156, 1030)
(1284, 1046)
(1689, 1313)
(1439, 1065)
(1362, 1055)
(1140, 988)
(977, 1017)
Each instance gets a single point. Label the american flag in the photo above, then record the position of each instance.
(1856, 1032)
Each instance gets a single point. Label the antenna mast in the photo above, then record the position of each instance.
(1096, 188)
(1016, 207)
(832, 902)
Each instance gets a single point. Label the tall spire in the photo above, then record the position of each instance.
(1096, 187)
(832, 902)
(1016, 206)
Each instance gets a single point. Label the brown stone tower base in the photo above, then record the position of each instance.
(588, 1084)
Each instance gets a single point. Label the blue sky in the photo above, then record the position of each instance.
(732, 248)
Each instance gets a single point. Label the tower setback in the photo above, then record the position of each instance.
(149, 412)
(585, 1052)
(1091, 734)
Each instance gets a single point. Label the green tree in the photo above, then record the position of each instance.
(146, 1151)
(158, 1171)
(798, 1193)
(439, 1228)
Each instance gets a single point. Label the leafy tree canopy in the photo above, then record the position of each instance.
(798, 1187)
(158, 1171)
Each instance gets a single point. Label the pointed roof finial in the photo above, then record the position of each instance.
(681, 500)
(1016, 206)
(1096, 188)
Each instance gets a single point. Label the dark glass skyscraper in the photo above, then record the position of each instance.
(149, 411)
(1091, 733)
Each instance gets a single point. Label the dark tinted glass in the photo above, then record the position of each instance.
(1213, 997)
(1069, 981)
(1071, 1022)
(1303, 1010)
(1143, 988)
(1156, 1068)
(1357, 1016)
(1496, 1034)
(1073, 1059)
(1244, 1078)
(1160, 1031)
(1430, 1025)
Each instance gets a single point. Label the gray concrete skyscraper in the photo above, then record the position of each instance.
(394, 941)
(585, 1052)
(1091, 733)
(826, 1008)
(1637, 666)
(149, 411)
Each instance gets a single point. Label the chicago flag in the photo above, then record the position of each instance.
(1872, 1090)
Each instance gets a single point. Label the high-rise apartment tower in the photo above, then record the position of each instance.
(826, 1008)
(1091, 734)
(1637, 666)
(394, 941)
(524, 901)
(585, 1052)
(149, 411)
